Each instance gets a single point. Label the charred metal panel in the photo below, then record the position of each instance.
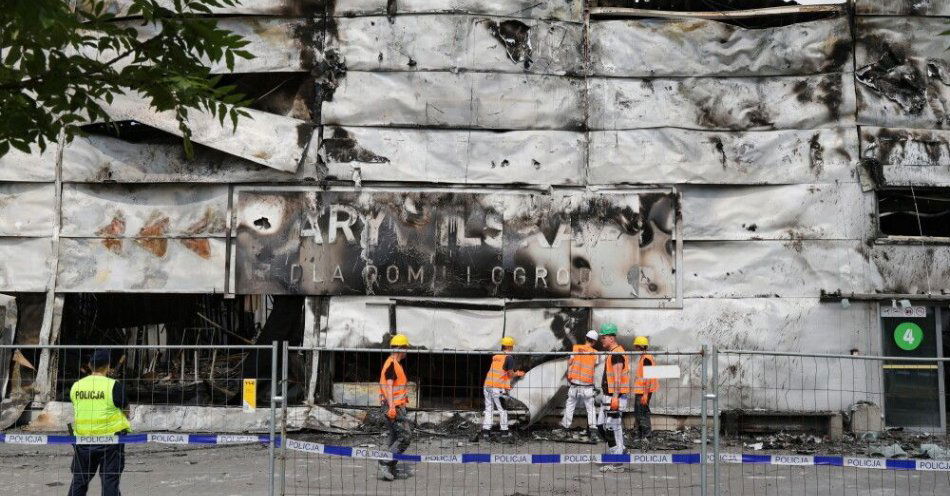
(451, 42)
(445, 156)
(795, 211)
(24, 264)
(356, 322)
(667, 48)
(723, 103)
(255, 7)
(449, 328)
(908, 157)
(902, 72)
(144, 211)
(563, 10)
(152, 265)
(669, 155)
(903, 7)
(794, 268)
(806, 325)
(505, 244)
(547, 329)
(907, 148)
(95, 159)
(912, 268)
(26, 209)
(272, 140)
(466, 100)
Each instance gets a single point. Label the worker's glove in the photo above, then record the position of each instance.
(644, 400)
(391, 414)
(615, 404)
(519, 373)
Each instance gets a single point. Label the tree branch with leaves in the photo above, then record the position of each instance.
(62, 61)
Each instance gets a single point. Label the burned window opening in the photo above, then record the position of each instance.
(170, 376)
(132, 132)
(915, 212)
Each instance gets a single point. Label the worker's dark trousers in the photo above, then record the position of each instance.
(108, 459)
(642, 414)
(400, 434)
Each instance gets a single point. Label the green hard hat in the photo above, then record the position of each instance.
(608, 329)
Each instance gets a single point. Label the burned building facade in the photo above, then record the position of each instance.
(465, 170)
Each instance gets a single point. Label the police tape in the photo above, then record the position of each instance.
(631, 458)
(157, 438)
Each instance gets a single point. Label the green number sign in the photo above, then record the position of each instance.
(908, 336)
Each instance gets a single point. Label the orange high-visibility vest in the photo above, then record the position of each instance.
(618, 384)
(400, 389)
(580, 368)
(642, 385)
(497, 377)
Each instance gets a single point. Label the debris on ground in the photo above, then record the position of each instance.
(892, 451)
(935, 452)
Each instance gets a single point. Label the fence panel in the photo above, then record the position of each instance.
(830, 424)
(338, 432)
(201, 419)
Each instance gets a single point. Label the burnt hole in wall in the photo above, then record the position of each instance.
(757, 22)
(514, 35)
(132, 132)
(287, 93)
(163, 374)
(917, 212)
(342, 147)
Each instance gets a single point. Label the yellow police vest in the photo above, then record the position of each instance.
(95, 413)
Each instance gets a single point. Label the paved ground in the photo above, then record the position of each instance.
(241, 470)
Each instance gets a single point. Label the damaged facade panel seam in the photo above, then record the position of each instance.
(684, 48)
(561, 10)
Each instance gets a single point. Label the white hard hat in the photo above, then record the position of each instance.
(592, 335)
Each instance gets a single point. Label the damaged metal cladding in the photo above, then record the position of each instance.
(515, 245)
(513, 35)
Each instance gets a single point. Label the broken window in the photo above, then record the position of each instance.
(752, 21)
(914, 212)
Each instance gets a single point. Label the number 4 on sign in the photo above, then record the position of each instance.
(908, 336)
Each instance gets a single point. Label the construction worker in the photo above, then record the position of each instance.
(580, 376)
(100, 409)
(616, 388)
(643, 389)
(497, 385)
(394, 396)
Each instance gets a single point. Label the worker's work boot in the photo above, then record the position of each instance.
(386, 473)
(593, 436)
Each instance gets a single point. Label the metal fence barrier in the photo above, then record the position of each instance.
(203, 418)
(779, 423)
(792, 423)
(343, 434)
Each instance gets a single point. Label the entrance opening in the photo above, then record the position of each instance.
(917, 212)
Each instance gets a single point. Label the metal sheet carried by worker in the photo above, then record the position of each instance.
(439, 243)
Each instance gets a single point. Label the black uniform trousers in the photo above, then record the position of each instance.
(108, 459)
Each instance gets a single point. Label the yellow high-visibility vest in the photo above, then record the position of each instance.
(95, 413)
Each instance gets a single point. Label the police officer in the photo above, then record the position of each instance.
(98, 403)
(394, 396)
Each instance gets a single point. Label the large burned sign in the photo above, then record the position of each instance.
(485, 244)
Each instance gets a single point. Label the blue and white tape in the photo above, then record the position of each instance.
(632, 458)
(157, 438)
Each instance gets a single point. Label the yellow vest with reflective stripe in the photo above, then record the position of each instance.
(497, 377)
(95, 413)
